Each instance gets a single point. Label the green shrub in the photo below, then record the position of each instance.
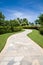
(12, 28)
(41, 30)
(5, 29)
(16, 29)
(2, 30)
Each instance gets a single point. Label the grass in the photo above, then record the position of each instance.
(36, 37)
(3, 39)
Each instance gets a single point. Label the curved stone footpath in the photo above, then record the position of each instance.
(21, 50)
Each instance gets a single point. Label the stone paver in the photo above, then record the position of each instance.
(21, 50)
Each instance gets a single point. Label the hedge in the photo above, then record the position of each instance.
(7, 29)
(31, 27)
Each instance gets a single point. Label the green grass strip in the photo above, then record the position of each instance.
(36, 37)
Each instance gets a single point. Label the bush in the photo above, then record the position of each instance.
(12, 28)
(16, 29)
(5, 29)
(41, 30)
(2, 30)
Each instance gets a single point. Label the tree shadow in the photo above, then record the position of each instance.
(11, 62)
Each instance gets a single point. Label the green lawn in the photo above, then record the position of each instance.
(3, 39)
(37, 37)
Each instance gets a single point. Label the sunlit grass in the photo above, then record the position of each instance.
(37, 37)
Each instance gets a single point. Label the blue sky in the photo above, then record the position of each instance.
(29, 9)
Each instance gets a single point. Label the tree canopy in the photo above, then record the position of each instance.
(25, 22)
(2, 17)
(39, 20)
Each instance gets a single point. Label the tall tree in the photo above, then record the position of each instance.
(36, 21)
(2, 17)
(20, 20)
(41, 19)
(25, 21)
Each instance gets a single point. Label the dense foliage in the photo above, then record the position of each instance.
(18, 24)
(40, 22)
(11, 25)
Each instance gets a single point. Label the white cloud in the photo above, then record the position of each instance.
(18, 14)
(30, 15)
